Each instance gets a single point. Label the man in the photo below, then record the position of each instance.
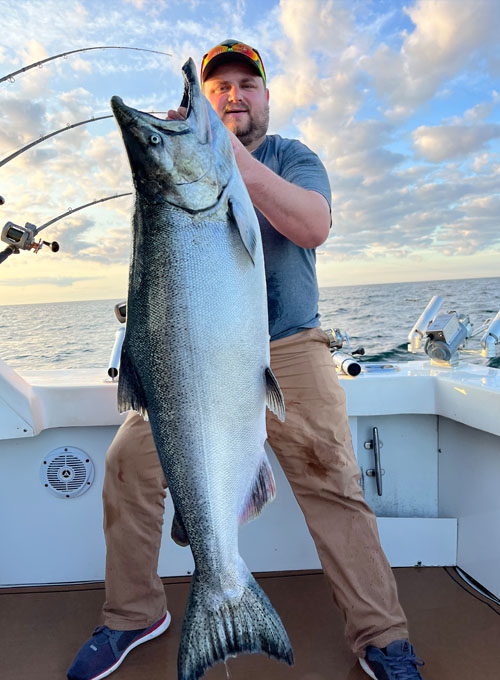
(289, 188)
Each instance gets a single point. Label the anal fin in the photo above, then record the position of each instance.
(263, 492)
(178, 531)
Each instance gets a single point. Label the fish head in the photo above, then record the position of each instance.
(187, 162)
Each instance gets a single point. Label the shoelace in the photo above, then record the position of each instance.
(103, 632)
(405, 667)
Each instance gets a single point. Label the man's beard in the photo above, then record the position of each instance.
(253, 128)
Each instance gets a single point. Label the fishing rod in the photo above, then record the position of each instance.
(57, 132)
(11, 76)
(42, 139)
(23, 238)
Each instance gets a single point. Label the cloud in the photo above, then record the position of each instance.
(83, 238)
(386, 202)
(447, 37)
(75, 103)
(22, 119)
(31, 52)
(447, 216)
(480, 111)
(79, 64)
(441, 143)
(460, 137)
(138, 4)
(316, 63)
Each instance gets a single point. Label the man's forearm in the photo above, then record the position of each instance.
(302, 216)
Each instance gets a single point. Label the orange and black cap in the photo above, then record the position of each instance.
(231, 50)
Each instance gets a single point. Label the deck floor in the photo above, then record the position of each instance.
(454, 629)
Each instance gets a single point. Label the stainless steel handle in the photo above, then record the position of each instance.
(376, 444)
(378, 462)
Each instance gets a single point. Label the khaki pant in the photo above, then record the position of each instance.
(315, 451)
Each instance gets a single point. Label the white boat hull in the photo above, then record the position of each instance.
(440, 432)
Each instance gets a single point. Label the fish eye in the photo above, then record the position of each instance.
(155, 139)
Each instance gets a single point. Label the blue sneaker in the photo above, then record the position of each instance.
(106, 649)
(396, 662)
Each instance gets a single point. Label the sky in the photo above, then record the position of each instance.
(400, 100)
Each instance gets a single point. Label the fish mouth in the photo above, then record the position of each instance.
(196, 121)
(123, 113)
(129, 117)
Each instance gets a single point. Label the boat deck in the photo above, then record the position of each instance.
(454, 628)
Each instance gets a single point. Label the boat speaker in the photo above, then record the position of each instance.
(67, 472)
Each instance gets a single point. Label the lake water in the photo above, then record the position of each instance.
(376, 317)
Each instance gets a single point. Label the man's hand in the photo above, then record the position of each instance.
(180, 114)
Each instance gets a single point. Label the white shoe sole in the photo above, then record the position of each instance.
(367, 668)
(160, 628)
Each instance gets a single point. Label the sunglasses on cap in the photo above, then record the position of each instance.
(238, 48)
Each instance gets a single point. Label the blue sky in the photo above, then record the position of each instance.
(400, 100)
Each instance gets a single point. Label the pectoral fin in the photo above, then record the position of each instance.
(274, 396)
(246, 225)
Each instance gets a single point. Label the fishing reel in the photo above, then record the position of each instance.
(23, 238)
(446, 335)
(344, 361)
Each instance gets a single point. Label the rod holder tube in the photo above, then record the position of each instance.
(114, 360)
(491, 338)
(346, 363)
(416, 334)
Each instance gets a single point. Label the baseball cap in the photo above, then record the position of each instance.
(231, 50)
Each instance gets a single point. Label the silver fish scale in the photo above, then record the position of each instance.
(198, 339)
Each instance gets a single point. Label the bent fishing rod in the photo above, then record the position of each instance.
(57, 132)
(12, 76)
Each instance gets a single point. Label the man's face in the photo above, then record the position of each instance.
(241, 100)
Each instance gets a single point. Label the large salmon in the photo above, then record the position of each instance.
(196, 359)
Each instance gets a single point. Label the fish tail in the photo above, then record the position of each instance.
(245, 625)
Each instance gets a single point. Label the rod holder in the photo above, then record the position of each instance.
(416, 334)
(114, 360)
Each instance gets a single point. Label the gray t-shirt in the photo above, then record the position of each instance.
(292, 288)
